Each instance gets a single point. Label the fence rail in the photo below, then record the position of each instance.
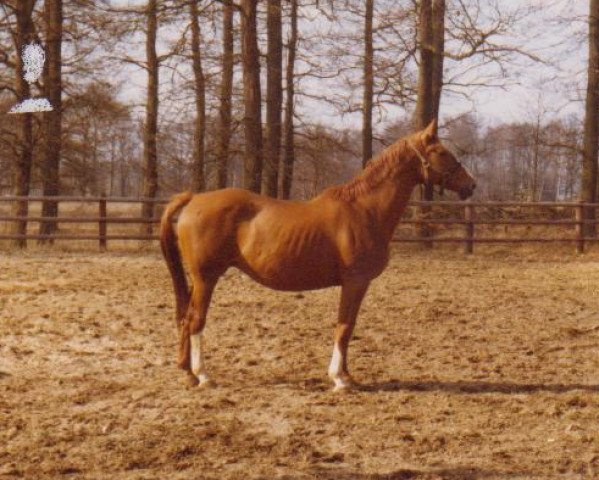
(580, 214)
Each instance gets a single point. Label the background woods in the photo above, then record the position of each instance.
(285, 97)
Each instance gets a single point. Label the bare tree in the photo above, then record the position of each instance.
(470, 47)
(425, 102)
(95, 127)
(324, 157)
(368, 84)
(22, 165)
(252, 97)
(226, 94)
(438, 20)
(53, 16)
(274, 98)
(591, 123)
(150, 155)
(431, 43)
(199, 182)
(286, 177)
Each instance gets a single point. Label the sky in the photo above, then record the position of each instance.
(557, 35)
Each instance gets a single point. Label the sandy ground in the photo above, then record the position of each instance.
(483, 367)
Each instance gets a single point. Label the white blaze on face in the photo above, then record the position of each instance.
(198, 367)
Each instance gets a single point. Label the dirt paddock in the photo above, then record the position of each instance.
(483, 367)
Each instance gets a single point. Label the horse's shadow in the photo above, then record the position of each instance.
(474, 387)
(466, 387)
(450, 473)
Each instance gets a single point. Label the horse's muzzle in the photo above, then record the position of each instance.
(466, 192)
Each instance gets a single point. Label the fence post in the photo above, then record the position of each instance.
(469, 228)
(102, 222)
(425, 231)
(579, 215)
(20, 208)
(148, 207)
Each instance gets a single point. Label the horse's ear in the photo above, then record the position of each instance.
(429, 134)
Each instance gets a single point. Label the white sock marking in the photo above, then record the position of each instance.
(198, 367)
(335, 366)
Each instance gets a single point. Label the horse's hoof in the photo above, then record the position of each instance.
(344, 385)
(206, 383)
(191, 380)
(343, 389)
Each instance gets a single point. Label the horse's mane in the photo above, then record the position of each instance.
(376, 170)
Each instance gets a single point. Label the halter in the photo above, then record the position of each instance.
(426, 167)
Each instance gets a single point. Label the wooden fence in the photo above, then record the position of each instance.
(572, 215)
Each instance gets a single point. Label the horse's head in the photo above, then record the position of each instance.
(439, 165)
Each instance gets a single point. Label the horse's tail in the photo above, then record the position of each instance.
(172, 255)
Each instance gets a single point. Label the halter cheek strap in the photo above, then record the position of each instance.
(424, 161)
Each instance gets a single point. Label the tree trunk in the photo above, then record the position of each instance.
(252, 97)
(226, 93)
(274, 98)
(52, 120)
(424, 105)
(112, 165)
(591, 123)
(536, 154)
(368, 85)
(22, 166)
(150, 157)
(286, 177)
(438, 17)
(199, 181)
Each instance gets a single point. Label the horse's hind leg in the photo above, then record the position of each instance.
(191, 347)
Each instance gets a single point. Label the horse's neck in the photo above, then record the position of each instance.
(387, 202)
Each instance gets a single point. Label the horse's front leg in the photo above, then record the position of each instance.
(352, 294)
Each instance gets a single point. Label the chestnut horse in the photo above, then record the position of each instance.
(339, 238)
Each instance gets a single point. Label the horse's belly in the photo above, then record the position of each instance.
(304, 277)
(284, 271)
(288, 250)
